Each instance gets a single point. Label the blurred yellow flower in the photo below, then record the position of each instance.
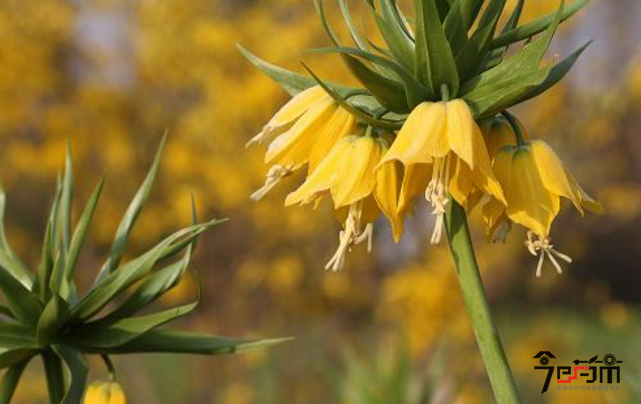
(359, 192)
(302, 132)
(444, 154)
(105, 393)
(534, 179)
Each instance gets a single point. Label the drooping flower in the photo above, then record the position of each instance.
(498, 133)
(534, 179)
(105, 393)
(358, 191)
(444, 154)
(302, 132)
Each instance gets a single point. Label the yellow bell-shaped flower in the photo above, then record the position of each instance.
(534, 179)
(105, 393)
(302, 132)
(443, 151)
(359, 192)
(498, 133)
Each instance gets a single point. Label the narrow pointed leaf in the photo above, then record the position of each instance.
(110, 334)
(78, 371)
(435, 64)
(168, 341)
(8, 258)
(52, 319)
(556, 73)
(10, 381)
(152, 288)
(131, 215)
(128, 274)
(79, 237)
(12, 356)
(24, 305)
(536, 26)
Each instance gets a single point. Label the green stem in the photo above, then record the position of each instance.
(478, 308)
(55, 376)
(520, 140)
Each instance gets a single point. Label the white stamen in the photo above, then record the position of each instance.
(351, 235)
(437, 195)
(541, 247)
(258, 139)
(274, 175)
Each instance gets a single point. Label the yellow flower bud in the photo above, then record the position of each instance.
(105, 393)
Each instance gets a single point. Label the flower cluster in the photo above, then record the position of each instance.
(431, 120)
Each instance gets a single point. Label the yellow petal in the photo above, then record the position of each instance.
(493, 214)
(415, 180)
(386, 193)
(554, 174)
(117, 395)
(297, 106)
(462, 132)
(483, 174)
(94, 394)
(355, 178)
(461, 184)
(422, 136)
(529, 202)
(321, 179)
(293, 148)
(341, 124)
(497, 133)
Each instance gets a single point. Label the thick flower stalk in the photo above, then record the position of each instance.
(439, 87)
(46, 315)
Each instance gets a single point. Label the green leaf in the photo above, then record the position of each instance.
(79, 237)
(54, 374)
(525, 61)
(128, 274)
(435, 64)
(536, 26)
(131, 215)
(556, 73)
(65, 203)
(395, 33)
(390, 93)
(168, 341)
(78, 370)
(11, 356)
(476, 48)
(8, 258)
(415, 91)
(110, 334)
(291, 82)
(15, 335)
(10, 381)
(353, 31)
(52, 319)
(47, 261)
(152, 288)
(489, 100)
(24, 305)
(362, 115)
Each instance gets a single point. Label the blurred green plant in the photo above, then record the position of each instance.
(46, 316)
(387, 376)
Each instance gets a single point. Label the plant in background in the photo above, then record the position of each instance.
(46, 315)
(433, 101)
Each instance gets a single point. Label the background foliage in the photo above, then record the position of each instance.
(112, 74)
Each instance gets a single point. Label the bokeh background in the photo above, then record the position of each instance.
(112, 75)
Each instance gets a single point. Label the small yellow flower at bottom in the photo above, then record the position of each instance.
(105, 393)
(359, 192)
(534, 179)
